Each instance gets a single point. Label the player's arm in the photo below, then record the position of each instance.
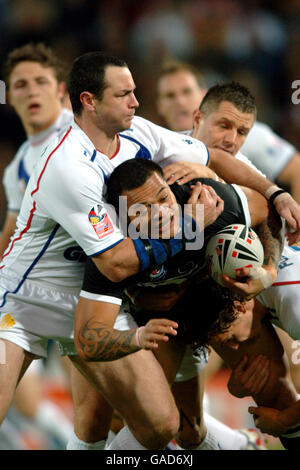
(290, 175)
(7, 231)
(235, 171)
(276, 422)
(96, 340)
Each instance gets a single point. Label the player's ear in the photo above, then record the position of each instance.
(87, 100)
(62, 90)
(197, 118)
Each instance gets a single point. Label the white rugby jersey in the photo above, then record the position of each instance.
(283, 297)
(63, 204)
(269, 152)
(17, 173)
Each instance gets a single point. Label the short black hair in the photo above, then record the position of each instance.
(129, 175)
(88, 74)
(233, 92)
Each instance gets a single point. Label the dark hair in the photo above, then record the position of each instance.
(211, 311)
(233, 92)
(173, 66)
(34, 53)
(88, 74)
(129, 175)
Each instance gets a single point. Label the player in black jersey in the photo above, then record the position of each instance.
(96, 336)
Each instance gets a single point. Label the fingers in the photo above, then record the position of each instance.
(175, 171)
(157, 329)
(195, 193)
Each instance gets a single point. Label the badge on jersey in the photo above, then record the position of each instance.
(7, 322)
(100, 221)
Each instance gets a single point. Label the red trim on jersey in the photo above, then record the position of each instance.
(34, 191)
(117, 150)
(285, 283)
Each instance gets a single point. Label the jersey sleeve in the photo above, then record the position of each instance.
(14, 186)
(165, 146)
(70, 193)
(267, 151)
(97, 287)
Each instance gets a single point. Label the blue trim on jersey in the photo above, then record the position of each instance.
(105, 249)
(94, 155)
(52, 234)
(104, 175)
(22, 173)
(207, 155)
(296, 248)
(143, 152)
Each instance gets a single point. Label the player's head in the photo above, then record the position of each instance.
(102, 87)
(225, 319)
(151, 205)
(34, 79)
(180, 88)
(225, 117)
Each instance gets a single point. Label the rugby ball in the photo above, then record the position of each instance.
(232, 248)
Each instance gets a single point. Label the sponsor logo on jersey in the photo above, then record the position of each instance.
(158, 273)
(7, 322)
(100, 222)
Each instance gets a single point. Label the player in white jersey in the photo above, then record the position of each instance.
(35, 85)
(251, 376)
(63, 208)
(180, 90)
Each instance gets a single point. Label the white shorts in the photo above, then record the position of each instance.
(36, 314)
(193, 362)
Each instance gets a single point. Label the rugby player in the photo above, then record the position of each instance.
(180, 90)
(96, 336)
(35, 81)
(63, 209)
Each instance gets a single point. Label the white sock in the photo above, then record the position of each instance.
(75, 443)
(209, 443)
(125, 440)
(51, 419)
(229, 439)
(111, 435)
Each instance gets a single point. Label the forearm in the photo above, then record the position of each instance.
(97, 341)
(290, 417)
(235, 171)
(270, 235)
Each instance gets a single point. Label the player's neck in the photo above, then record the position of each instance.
(103, 141)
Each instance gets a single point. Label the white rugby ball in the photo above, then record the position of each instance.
(232, 248)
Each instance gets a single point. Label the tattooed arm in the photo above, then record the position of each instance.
(97, 340)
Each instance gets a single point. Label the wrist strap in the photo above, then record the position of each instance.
(137, 337)
(274, 195)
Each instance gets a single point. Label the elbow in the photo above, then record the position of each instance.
(115, 274)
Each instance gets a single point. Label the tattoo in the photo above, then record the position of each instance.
(269, 233)
(98, 342)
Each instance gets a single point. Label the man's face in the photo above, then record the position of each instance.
(179, 96)
(116, 109)
(246, 326)
(152, 208)
(36, 95)
(225, 128)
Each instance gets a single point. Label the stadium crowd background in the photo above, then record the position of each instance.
(256, 42)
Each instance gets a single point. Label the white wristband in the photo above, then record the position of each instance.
(271, 190)
(137, 337)
(262, 275)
